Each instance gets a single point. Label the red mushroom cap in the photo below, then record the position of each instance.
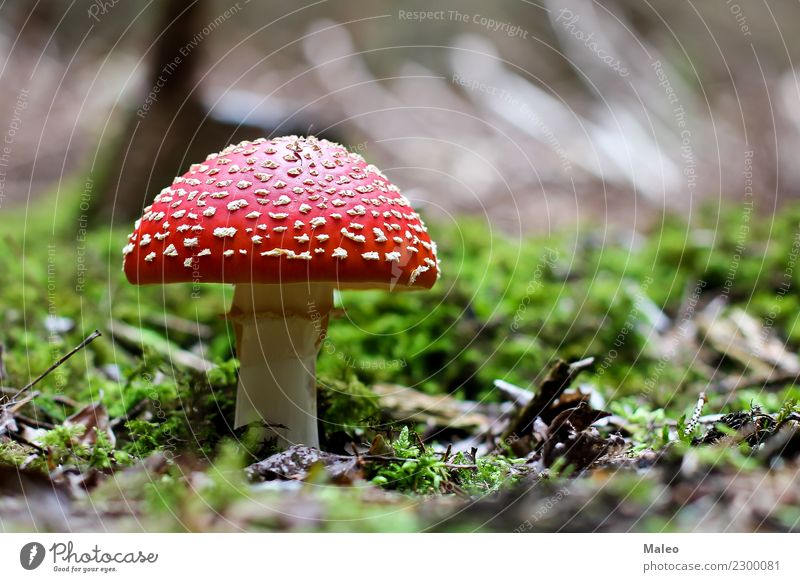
(286, 210)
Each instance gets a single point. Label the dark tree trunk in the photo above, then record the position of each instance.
(155, 141)
(166, 134)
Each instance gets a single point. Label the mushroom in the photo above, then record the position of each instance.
(286, 221)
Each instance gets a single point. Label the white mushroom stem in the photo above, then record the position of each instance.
(279, 331)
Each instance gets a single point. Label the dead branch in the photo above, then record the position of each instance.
(558, 379)
(89, 339)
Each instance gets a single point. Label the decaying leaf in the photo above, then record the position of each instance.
(297, 462)
(94, 418)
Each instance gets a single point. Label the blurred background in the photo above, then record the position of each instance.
(535, 115)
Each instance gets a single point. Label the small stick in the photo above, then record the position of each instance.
(15, 405)
(66, 401)
(698, 410)
(558, 379)
(89, 339)
(33, 422)
(27, 443)
(446, 456)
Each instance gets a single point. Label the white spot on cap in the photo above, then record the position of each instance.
(190, 242)
(379, 235)
(303, 238)
(171, 251)
(253, 214)
(357, 210)
(204, 253)
(416, 273)
(188, 262)
(210, 211)
(257, 239)
(150, 257)
(339, 253)
(317, 221)
(393, 257)
(243, 184)
(237, 204)
(371, 256)
(146, 238)
(304, 208)
(282, 201)
(322, 237)
(228, 253)
(127, 249)
(223, 231)
(288, 253)
(352, 236)
(278, 215)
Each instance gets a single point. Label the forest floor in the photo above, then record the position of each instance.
(589, 382)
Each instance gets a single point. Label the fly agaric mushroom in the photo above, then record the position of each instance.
(286, 221)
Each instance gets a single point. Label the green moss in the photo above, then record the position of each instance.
(346, 406)
(504, 308)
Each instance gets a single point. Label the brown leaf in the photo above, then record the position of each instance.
(92, 416)
(297, 462)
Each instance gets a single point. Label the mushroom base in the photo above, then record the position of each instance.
(279, 330)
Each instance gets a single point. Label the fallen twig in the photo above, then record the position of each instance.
(519, 396)
(26, 442)
(89, 339)
(558, 379)
(33, 422)
(15, 405)
(133, 336)
(698, 410)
